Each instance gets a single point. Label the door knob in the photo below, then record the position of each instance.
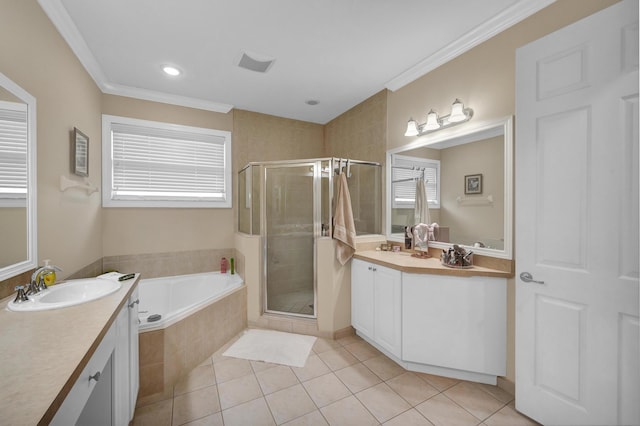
(528, 278)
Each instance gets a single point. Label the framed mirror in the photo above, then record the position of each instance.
(468, 174)
(18, 251)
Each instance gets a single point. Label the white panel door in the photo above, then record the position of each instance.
(387, 322)
(577, 222)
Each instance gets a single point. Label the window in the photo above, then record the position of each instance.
(404, 173)
(152, 164)
(13, 154)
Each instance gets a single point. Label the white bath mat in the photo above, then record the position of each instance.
(272, 346)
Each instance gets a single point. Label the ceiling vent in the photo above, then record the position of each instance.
(255, 62)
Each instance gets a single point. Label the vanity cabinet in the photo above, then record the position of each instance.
(449, 325)
(105, 392)
(455, 322)
(376, 303)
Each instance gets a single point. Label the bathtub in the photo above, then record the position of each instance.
(199, 313)
(175, 298)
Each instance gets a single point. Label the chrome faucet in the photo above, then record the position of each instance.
(36, 285)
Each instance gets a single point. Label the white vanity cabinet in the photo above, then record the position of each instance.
(105, 392)
(449, 325)
(456, 323)
(376, 303)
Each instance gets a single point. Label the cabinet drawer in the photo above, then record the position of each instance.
(75, 401)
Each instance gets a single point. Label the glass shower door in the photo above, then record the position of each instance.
(289, 239)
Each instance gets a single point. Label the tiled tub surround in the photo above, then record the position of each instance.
(168, 354)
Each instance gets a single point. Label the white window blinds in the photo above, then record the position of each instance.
(13, 150)
(155, 162)
(404, 173)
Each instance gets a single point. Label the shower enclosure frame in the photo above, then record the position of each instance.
(336, 165)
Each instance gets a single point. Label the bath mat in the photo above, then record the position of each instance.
(272, 346)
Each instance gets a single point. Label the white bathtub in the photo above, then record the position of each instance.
(175, 298)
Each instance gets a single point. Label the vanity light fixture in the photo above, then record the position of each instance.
(459, 114)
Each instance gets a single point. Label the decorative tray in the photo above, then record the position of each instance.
(456, 266)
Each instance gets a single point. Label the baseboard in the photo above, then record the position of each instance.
(506, 385)
(344, 332)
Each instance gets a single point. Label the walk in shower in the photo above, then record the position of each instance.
(290, 204)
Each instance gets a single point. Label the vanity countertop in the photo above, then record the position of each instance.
(403, 261)
(44, 352)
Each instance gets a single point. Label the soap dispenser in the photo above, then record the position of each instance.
(49, 274)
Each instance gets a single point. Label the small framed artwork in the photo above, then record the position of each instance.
(473, 184)
(80, 153)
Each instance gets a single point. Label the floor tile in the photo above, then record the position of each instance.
(438, 382)
(507, 416)
(200, 377)
(314, 367)
(348, 412)
(238, 391)
(383, 367)
(314, 418)
(347, 340)
(470, 397)
(323, 345)
(194, 405)
(326, 389)
(157, 414)
(441, 411)
(276, 378)
(259, 366)
(338, 358)
(499, 394)
(231, 368)
(254, 413)
(362, 350)
(357, 377)
(413, 389)
(290, 403)
(409, 418)
(211, 420)
(382, 402)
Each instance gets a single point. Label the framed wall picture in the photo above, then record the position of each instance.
(80, 153)
(473, 184)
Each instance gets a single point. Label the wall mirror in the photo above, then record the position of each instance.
(481, 218)
(18, 251)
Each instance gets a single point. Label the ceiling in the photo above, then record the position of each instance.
(335, 52)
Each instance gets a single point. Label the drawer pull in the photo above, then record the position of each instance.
(95, 377)
(137, 301)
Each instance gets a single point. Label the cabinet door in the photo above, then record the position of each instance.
(455, 322)
(121, 369)
(388, 309)
(362, 297)
(134, 368)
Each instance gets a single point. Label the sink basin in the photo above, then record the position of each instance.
(70, 293)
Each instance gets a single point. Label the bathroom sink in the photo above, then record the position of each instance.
(70, 293)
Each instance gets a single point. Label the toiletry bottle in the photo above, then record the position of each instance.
(233, 265)
(224, 264)
(49, 277)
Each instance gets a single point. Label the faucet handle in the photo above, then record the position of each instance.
(21, 296)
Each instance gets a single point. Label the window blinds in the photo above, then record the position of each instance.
(13, 151)
(404, 173)
(164, 164)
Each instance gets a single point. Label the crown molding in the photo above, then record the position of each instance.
(58, 14)
(166, 98)
(505, 19)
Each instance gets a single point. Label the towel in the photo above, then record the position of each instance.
(421, 211)
(344, 230)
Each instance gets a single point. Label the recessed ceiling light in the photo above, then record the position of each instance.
(172, 71)
(312, 102)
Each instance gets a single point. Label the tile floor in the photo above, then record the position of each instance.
(344, 382)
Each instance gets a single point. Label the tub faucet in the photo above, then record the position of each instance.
(36, 285)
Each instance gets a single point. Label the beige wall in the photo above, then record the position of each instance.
(34, 56)
(128, 231)
(484, 79)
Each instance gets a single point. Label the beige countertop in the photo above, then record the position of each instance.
(403, 261)
(43, 353)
